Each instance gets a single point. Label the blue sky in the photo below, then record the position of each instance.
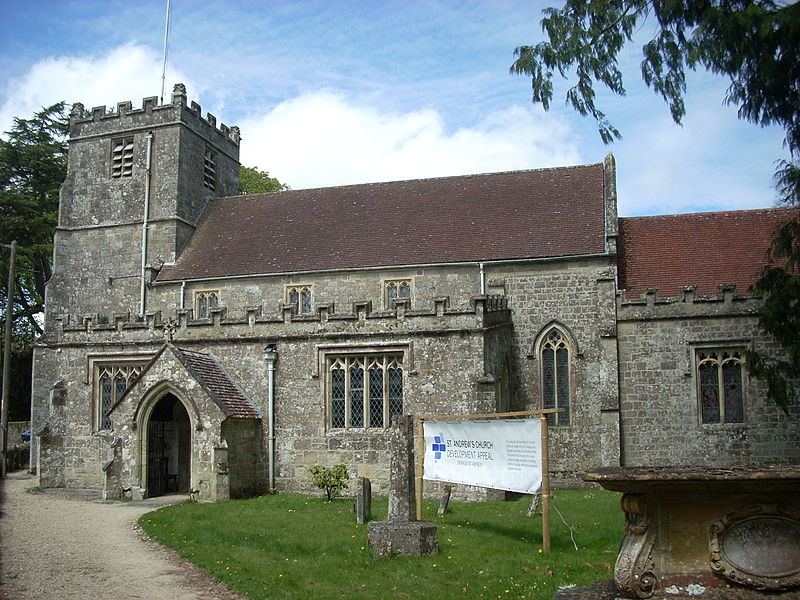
(341, 92)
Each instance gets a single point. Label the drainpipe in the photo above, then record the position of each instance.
(183, 294)
(271, 355)
(483, 278)
(145, 223)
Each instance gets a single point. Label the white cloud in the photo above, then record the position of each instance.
(324, 139)
(128, 72)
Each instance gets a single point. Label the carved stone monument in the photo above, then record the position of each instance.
(714, 533)
(402, 533)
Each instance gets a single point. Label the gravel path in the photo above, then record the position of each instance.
(59, 546)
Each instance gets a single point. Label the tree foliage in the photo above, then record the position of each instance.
(332, 481)
(253, 181)
(33, 164)
(754, 43)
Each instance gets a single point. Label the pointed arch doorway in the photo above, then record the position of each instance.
(169, 448)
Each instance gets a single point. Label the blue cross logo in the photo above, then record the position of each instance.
(438, 447)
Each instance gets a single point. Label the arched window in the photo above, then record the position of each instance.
(204, 302)
(395, 289)
(299, 297)
(111, 382)
(720, 385)
(554, 354)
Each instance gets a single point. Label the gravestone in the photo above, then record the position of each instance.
(402, 533)
(445, 500)
(363, 501)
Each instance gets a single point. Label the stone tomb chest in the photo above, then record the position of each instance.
(708, 532)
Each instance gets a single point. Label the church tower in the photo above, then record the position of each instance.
(138, 181)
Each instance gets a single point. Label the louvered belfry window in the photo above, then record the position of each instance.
(122, 157)
(210, 170)
(364, 391)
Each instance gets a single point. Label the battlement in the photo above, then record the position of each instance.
(689, 304)
(484, 311)
(100, 120)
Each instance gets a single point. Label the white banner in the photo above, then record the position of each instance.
(503, 455)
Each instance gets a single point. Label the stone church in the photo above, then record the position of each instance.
(202, 341)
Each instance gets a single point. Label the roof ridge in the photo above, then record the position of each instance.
(715, 212)
(417, 180)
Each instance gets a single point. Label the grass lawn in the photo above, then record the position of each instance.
(287, 547)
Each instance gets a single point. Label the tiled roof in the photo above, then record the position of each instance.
(520, 214)
(703, 250)
(222, 388)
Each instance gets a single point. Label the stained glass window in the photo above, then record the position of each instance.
(365, 390)
(720, 386)
(556, 376)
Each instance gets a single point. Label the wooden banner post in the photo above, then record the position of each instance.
(420, 463)
(545, 485)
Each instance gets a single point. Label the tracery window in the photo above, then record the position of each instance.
(720, 385)
(122, 157)
(299, 297)
(555, 376)
(209, 170)
(204, 301)
(111, 381)
(394, 289)
(364, 391)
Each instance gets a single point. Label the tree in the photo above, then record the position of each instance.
(752, 42)
(33, 164)
(253, 181)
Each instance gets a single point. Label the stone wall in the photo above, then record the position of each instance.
(658, 388)
(579, 295)
(444, 361)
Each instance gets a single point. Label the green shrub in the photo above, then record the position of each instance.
(333, 481)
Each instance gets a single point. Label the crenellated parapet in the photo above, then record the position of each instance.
(689, 304)
(100, 120)
(483, 312)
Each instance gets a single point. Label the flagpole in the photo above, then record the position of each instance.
(166, 47)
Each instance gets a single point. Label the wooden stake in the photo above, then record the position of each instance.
(420, 464)
(545, 487)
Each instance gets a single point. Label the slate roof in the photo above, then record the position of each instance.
(520, 214)
(220, 385)
(704, 250)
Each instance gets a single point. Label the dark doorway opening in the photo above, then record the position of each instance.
(168, 448)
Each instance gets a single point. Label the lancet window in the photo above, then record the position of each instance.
(555, 375)
(395, 289)
(204, 301)
(299, 297)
